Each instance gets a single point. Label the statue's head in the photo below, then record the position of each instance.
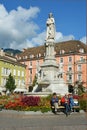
(50, 15)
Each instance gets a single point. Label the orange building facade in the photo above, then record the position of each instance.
(71, 55)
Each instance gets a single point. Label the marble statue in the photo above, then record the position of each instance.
(50, 36)
(50, 27)
(49, 74)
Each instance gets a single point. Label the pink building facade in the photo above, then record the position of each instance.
(71, 55)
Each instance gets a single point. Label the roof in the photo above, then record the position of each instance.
(72, 46)
(6, 59)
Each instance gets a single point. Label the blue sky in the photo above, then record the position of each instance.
(23, 22)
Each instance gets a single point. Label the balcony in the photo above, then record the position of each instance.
(81, 61)
(79, 71)
(69, 81)
(69, 72)
(4, 75)
(30, 67)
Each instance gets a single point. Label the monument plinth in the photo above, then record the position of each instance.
(50, 78)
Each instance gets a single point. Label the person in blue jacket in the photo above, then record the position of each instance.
(54, 102)
(71, 102)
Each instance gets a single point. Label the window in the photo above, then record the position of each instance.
(19, 58)
(15, 81)
(61, 60)
(19, 82)
(70, 59)
(62, 51)
(22, 74)
(22, 82)
(79, 67)
(3, 81)
(70, 77)
(81, 50)
(9, 71)
(44, 54)
(18, 72)
(30, 71)
(39, 55)
(6, 71)
(81, 58)
(14, 72)
(25, 57)
(31, 56)
(30, 79)
(30, 63)
(79, 77)
(2, 70)
(70, 68)
(37, 63)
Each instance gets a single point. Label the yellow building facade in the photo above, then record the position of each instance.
(9, 64)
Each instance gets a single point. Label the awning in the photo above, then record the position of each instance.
(20, 90)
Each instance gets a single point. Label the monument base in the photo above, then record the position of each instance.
(59, 87)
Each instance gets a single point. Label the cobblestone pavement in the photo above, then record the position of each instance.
(20, 121)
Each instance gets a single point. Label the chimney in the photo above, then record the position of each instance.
(2, 53)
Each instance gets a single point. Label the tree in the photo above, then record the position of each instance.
(34, 81)
(70, 89)
(33, 84)
(10, 84)
(80, 87)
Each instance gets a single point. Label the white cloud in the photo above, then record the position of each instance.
(60, 37)
(17, 26)
(39, 39)
(83, 39)
(18, 29)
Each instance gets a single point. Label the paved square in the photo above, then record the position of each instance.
(20, 121)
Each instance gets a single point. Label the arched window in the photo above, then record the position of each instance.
(81, 50)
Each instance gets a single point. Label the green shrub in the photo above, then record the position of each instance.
(83, 104)
(32, 108)
(45, 109)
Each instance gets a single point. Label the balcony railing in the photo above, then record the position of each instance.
(30, 66)
(69, 81)
(79, 71)
(69, 72)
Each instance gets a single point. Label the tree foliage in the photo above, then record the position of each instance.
(71, 89)
(34, 81)
(10, 84)
(81, 88)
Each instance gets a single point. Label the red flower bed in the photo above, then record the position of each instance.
(75, 97)
(31, 101)
(21, 103)
(14, 105)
